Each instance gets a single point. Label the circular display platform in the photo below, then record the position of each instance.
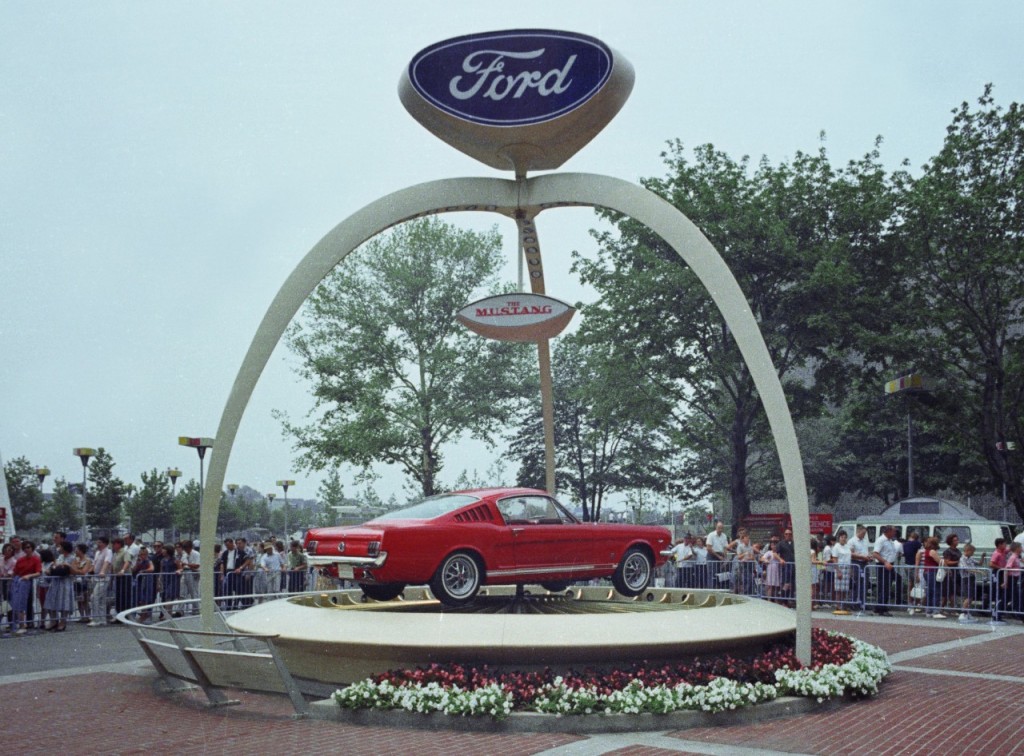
(341, 637)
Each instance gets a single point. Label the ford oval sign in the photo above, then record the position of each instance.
(511, 78)
(517, 317)
(526, 98)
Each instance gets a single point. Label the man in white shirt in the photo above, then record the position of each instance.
(885, 554)
(189, 576)
(132, 546)
(685, 560)
(101, 565)
(860, 557)
(717, 544)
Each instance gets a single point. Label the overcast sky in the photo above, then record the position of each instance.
(164, 167)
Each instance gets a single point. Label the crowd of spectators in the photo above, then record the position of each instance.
(939, 580)
(48, 586)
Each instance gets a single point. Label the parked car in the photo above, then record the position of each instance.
(458, 542)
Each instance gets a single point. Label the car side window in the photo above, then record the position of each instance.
(513, 509)
(532, 510)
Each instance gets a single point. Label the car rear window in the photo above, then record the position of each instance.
(430, 508)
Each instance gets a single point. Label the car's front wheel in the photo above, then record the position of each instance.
(457, 579)
(383, 592)
(633, 574)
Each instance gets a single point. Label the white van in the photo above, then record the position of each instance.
(934, 517)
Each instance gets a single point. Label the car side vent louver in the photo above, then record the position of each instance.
(477, 514)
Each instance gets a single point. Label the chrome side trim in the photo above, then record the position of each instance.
(549, 570)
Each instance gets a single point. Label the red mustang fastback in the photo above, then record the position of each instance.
(457, 542)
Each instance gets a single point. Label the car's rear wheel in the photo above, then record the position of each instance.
(382, 592)
(555, 587)
(633, 574)
(457, 579)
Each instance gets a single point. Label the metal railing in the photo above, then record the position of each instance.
(969, 594)
(96, 599)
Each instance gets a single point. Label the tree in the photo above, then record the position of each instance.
(150, 508)
(23, 490)
(788, 233)
(185, 509)
(107, 493)
(964, 269)
(330, 494)
(394, 376)
(231, 515)
(606, 438)
(62, 511)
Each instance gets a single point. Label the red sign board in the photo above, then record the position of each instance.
(763, 525)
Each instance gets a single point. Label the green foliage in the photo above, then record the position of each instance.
(185, 510)
(394, 376)
(106, 494)
(23, 490)
(789, 233)
(62, 511)
(606, 436)
(330, 494)
(150, 508)
(964, 267)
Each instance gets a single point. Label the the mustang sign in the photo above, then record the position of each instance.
(457, 542)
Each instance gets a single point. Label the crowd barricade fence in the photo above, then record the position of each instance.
(97, 598)
(1007, 596)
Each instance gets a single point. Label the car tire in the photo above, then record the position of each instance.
(634, 573)
(457, 580)
(555, 587)
(382, 592)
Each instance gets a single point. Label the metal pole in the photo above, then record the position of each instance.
(529, 244)
(910, 454)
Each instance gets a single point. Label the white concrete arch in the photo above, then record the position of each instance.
(505, 196)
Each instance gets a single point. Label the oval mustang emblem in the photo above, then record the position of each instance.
(517, 317)
(511, 78)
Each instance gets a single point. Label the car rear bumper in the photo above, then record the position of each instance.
(363, 563)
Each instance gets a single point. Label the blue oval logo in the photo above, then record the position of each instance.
(511, 78)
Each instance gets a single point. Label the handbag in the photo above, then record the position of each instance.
(917, 592)
(940, 574)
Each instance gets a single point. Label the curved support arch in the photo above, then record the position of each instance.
(505, 197)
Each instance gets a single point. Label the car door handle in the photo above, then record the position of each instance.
(517, 531)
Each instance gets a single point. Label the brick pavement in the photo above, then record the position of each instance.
(915, 712)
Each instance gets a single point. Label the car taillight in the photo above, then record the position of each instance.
(311, 547)
(373, 548)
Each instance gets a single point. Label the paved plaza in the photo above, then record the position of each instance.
(954, 689)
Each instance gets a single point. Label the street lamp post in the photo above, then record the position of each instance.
(284, 484)
(200, 444)
(173, 473)
(270, 503)
(84, 454)
(1004, 448)
(909, 385)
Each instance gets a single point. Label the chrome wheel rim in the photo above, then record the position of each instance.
(636, 571)
(460, 576)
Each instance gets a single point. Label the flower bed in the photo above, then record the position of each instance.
(840, 665)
